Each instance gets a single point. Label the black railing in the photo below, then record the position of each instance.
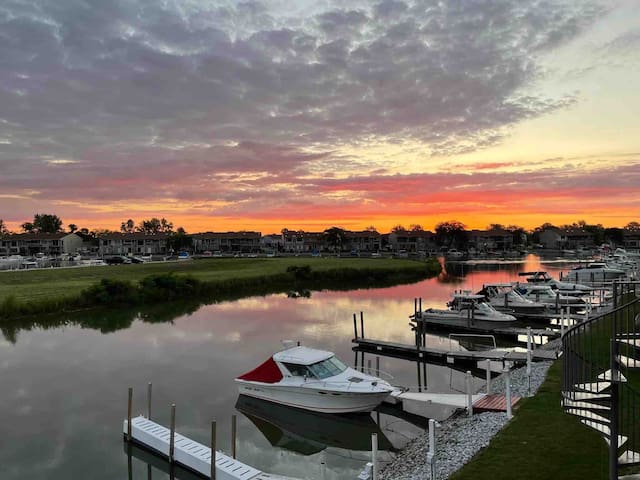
(599, 354)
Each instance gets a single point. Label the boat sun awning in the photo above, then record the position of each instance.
(268, 372)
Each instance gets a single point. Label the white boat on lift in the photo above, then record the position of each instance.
(547, 296)
(467, 307)
(593, 272)
(315, 380)
(504, 298)
(565, 288)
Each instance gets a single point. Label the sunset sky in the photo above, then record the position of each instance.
(259, 115)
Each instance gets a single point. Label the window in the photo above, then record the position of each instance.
(324, 369)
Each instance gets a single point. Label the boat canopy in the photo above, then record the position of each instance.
(302, 355)
(268, 372)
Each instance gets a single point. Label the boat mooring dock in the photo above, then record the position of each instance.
(190, 454)
(445, 357)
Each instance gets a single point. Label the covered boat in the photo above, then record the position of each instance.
(546, 295)
(315, 380)
(467, 307)
(504, 298)
(565, 288)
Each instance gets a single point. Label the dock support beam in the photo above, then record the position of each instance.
(355, 326)
(529, 338)
(361, 324)
(488, 377)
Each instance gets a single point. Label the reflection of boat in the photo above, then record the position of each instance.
(566, 288)
(315, 380)
(503, 297)
(546, 295)
(309, 432)
(466, 307)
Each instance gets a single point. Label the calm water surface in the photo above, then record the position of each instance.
(64, 389)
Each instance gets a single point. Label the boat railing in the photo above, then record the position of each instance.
(374, 372)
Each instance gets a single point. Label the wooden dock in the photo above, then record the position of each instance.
(446, 357)
(190, 454)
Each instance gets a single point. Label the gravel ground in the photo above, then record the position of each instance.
(460, 437)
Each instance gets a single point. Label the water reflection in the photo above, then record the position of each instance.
(65, 378)
(309, 432)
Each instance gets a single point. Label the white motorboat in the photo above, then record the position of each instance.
(503, 297)
(593, 272)
(565, 288)
(547, 296)
(467, 307)
(315, 380)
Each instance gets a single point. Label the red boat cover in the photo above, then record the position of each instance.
(268, 372)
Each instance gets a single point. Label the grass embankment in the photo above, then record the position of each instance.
(541, 442)
(54, 290)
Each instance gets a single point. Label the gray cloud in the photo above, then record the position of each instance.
(140, 88)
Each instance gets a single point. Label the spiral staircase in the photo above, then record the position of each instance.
(601, 378)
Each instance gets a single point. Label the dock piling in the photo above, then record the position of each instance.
(507, 384)
(377, 365)
(369, 366)
(529, 360)
(374, 454)
(420, 305)
(355, 326)
(431, 454)
(213, 450)
(362, 324)
(172, 435)
(149, 401)
(469, 393)
(234, 433)
(488, 377)
(129, 408)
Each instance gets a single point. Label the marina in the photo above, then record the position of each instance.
(202, 350)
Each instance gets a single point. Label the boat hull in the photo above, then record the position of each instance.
(316, 400)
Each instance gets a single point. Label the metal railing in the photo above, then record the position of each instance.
(598, 353)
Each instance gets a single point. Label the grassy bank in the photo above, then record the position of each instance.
(53, 290)
(541, 442)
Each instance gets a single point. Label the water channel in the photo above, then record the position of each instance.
(63, 392)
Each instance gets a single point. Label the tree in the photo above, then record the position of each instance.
(371, 228)
(495, 226)
(452, 234)
(72, 227)
(155, 225)
(416, 228)
(43, 223)
(632, 227)
(398, 228)
(335, 237)
(3, 228)
(128, 227)
(179, 240)
(614, 235)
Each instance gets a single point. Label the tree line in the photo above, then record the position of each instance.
(451, 233)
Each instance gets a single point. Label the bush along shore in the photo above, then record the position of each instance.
(171, 286)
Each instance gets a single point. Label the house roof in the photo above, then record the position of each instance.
(134, 236)
(210, 235)
(36, 236)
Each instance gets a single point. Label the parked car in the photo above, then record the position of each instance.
(117, 260)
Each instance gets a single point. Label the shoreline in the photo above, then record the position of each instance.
(459, 438)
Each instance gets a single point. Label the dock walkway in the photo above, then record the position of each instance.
(191, 454)
(411, 352)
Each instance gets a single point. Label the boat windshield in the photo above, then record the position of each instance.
(485, 308)
(327, 368)
(323, 369)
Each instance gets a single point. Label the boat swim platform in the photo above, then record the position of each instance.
(445, 357)
(190, 454)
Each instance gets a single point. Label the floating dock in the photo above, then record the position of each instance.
(190, 454)
(444, 357)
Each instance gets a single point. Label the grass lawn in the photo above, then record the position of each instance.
(541, 442)
(45, 284)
